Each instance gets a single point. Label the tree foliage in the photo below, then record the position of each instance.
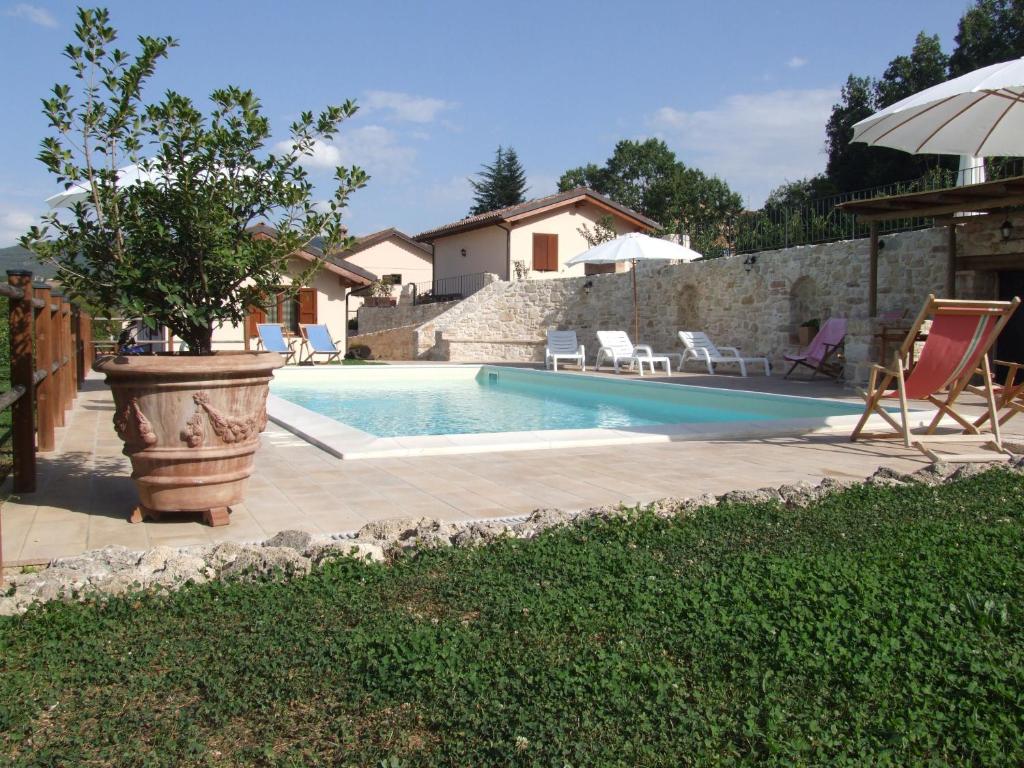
(603, 231)
(989, 32)
(177, 250)
(647, 177)
(857, 166)
(500, 184)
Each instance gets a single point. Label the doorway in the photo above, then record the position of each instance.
(1010, 346)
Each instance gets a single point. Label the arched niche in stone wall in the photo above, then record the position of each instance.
(688, 314)
(805, 303)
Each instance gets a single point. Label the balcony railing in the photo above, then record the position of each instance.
(447, 288)
(820, 221)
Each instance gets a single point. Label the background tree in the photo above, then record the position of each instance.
(647, 177)
(989, 32)
(858, 166)
(500, 184)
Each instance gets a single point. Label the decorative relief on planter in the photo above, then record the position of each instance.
(130, 417)
(193, 433)
(230, 429)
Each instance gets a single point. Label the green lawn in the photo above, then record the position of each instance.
(878, 627)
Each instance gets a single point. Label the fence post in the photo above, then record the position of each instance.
(56, 355)
(23, 428)
(44, 362)
(67, 356)
(83, 335)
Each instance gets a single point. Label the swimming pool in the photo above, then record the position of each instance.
(365, 411)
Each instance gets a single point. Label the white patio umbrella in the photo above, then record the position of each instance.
(634, 247)
(126, 176)
(79, 192)
(977, 115)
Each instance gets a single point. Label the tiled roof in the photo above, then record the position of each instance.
(333, 263)
(368, 241)
(515, 211)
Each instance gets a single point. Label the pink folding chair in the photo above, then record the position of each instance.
(821, 354)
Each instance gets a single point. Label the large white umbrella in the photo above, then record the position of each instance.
(81, 192)
(634, 247)
(126, 176)
(977, 115)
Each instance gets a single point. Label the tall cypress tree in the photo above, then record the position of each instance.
(500, 184)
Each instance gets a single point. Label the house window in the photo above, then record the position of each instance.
(598, 269)
(285, 311)
(545, 252)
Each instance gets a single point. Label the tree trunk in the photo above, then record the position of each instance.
(199, 340)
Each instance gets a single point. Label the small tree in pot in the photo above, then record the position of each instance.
(174, 248)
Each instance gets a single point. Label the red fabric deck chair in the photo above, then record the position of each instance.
(961, 334)
(820, 355)
(1009, 394)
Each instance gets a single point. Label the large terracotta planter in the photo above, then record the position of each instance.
(191, 426)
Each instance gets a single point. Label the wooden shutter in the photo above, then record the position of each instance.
(553, 252)
(256, 315)
(307, 305)
(545, 252)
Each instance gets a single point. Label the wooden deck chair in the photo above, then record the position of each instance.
(821, 355)
(316, 340)
(961, 334)
(1009, 394)
(271, 338)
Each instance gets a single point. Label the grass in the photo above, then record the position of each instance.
(882, 626)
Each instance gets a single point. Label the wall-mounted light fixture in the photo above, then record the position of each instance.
(749, 262)
(463, 252)
(587, 286)
(1006, 229)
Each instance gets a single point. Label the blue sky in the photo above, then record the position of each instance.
(741, 90)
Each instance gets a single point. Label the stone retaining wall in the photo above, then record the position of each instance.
(373, 319)
(392, 344)
(755, 303)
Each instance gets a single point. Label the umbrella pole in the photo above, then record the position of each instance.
(636, 310)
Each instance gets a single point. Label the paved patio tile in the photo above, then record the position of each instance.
(84, 493)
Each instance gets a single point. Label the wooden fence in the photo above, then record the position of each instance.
(51, 350)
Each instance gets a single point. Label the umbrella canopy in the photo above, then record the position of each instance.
(979, 114)
(79, 192)
(634, 247)
(131, 174)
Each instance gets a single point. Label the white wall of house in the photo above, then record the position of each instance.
(330, 309)
(486, 247)
(566, 223)
(393, 256)
(485, 252)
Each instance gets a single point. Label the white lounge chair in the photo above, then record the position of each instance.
(563, 345)
(617, 348)
(700, 348)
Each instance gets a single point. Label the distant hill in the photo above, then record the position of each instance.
(16, 257)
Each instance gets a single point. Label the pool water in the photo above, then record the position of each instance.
(399, 402)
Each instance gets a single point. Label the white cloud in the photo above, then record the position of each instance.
(753, 141)
(373, 148)
(404, 106)
(32, 13)
(796, 62)
(14, 224)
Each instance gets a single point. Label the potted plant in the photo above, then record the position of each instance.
(807, 331)
(175, 248)
(380, 294)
